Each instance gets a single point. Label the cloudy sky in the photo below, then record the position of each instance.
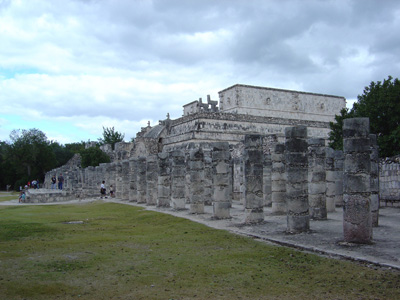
(70, 67)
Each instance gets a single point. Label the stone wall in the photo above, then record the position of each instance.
(389, 180)
(270, 102)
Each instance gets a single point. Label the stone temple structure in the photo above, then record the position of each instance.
(257, 146)
(242, 110)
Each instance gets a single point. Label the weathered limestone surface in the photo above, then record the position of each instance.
(338, 169)
(196, 175)
(330, 179)
(125, 180)
(374, 176)
(222, 180)
(164, 180)
(208, 177)
(141, 180)
(316, 179)
(389, 180)
(357, 221)
(118, 180)
(253, 179)
(178, 173)
(269, 143)
(298, 217)
(151, 179)
(132, 179)
(278, 180)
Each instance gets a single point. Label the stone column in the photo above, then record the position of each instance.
(330, 179)
(118, 179)
(141, 180)
(269, 143)
(278, 180)
(112, 177)
(316, 179)
(338, 169)
(196, 175)
(178, 169)
(164, 180)
(222, 180)
(208, 177)
(298, 216)
(237, 172)
(357, 221)
(151, 180)
(374, 155)
(92, 190)
(132, 179)
(125, 180)
(253, 179)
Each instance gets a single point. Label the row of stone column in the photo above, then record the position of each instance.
(306, 179)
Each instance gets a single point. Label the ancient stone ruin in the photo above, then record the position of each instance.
(260, 147)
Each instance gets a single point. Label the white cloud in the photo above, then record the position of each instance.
(81, 65)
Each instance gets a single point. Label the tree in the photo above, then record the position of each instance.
(380, 102)
(93, 156)
(110, 136)
(336, 133)
(30, 155)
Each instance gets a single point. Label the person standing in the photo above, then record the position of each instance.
(60, 181)
(112, 191)
(53, 182)
(103, 190)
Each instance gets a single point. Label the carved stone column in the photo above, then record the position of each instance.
(298, 216)
(125, 180)
(338, 168)
(151, 180)
(164, 180)
(357, 221)
(178, 170)
(118, 179)
(316, 179)
(196, 174)
(374, 154)
(253, 179)
(141, 180)
(269, 143)
(330, 179)
(222, 180)
(278, 180)
(132, 179)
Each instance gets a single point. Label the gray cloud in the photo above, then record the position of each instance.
(126, 62)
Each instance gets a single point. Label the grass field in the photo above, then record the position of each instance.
(7, 196)
(114, 251)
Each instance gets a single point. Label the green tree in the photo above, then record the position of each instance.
(93, 156)
(380, 102)
(336, 133)
(110, 136)
(7, 173)
(30, 154)
(75, 147)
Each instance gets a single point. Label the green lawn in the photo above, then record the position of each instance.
(115, 251)
(7, 196)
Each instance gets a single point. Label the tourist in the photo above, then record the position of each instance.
(60, 181)
(53, 182)
(21, 198)
(112, 191)
(103, 190)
